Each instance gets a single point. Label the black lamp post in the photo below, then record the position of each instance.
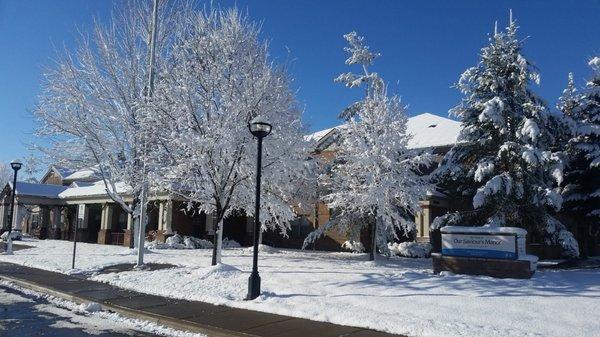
(259, 129)
(16, 166)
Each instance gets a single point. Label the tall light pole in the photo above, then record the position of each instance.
(16, 166)
(259, 129)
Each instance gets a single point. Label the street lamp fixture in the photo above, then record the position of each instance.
(259, 129)
(16, 166)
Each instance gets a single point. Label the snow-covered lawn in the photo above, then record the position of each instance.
(398, 295)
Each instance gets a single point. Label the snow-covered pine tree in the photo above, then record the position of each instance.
(375, 179)
(581, 191)
(504, 160)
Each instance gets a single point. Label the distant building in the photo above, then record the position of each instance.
(49, 209)
(429, 132)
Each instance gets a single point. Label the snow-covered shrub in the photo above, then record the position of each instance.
(227, 243)
(262, 248)
(15, 236)
(175, 239)
(183, 242)
(159, 245)
(354, 246)
(194, 243)
(410, 249)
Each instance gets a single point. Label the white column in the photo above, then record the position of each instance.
(129, 220)
(161, 209)
(86, 212)
(106, 221)
(168, 217)
(2, 216)
(15, 217)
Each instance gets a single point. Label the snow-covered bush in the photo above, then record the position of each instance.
(180, 242)
(410, 249)
(354, 246)
(175, 239)
(195, 243)
(227, 243)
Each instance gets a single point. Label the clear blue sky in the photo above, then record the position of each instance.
(425, 46)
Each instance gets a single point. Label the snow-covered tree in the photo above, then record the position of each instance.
(375, 180)
(581, 192)
(31, 168)
(504, 161)
(94, 109)
(6, 174)
(216, 81)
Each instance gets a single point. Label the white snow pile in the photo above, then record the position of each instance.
(227, 243)
(262, 248)
(180, 242)
(410, 249)
(342, 288)
(220, 270)
(89, 307)
(354, 246)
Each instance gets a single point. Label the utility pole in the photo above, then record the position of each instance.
(144, 194)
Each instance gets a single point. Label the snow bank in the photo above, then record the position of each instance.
(410, 249)
(90, 307)
(262, 248)
(398, 295)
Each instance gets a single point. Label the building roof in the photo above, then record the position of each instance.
(84, 174)
(38, 190)
(83, 189)
(427, 130)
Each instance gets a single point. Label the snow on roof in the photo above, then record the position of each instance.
(83, 174)
(38, 190)
(90, 189)
(62, 171)
(428, 130)
(319, 134)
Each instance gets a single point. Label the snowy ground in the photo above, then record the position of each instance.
(397, 295)
(28, 313)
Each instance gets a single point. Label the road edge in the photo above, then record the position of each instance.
(131, 313)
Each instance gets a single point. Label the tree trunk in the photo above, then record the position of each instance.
(219, 240)
(373, 241)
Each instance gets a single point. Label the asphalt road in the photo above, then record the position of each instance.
(27, 315)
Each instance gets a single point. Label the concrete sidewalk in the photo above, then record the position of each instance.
(212, 320)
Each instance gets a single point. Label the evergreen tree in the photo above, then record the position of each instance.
(375, 181)
(504, 161)
(582, 177)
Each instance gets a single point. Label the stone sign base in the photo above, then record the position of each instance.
(521, 269)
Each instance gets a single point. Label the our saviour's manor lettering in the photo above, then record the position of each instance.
(490, 242)
(496, 245)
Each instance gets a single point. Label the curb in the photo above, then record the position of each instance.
(132, 313)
